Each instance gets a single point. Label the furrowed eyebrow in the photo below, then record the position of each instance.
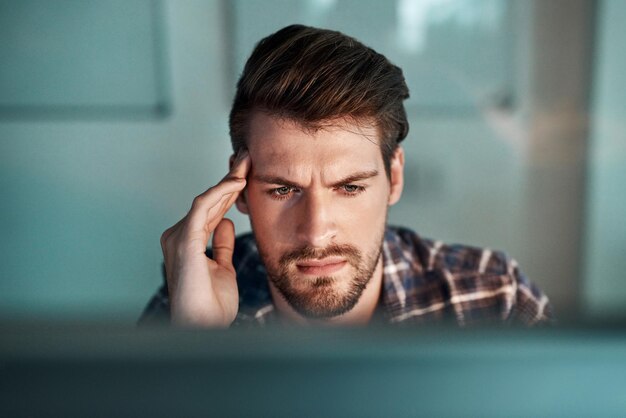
(360, 176)
(275, 180)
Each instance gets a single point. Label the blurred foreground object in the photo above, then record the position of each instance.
(94, 371)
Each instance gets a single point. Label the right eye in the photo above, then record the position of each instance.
(283, 192)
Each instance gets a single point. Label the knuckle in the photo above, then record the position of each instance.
(197, 201)
(170, 245)
(168, 241)
(164, 236)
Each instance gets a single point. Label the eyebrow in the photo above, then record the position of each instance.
(359, 176)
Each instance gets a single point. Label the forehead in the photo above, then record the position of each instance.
(277, 142)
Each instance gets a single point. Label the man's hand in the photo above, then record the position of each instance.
(203, 291)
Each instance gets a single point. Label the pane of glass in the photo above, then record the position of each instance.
(78, 55)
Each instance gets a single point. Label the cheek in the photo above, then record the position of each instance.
(367, 213)
(266, 215)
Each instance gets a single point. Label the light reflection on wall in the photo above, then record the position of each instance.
(416, 16)
(456, 55)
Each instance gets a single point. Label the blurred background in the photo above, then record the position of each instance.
(113, 116)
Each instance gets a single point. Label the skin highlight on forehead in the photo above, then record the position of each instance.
(364, 127)
(262, 125)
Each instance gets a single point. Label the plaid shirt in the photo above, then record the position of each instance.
(424, 281)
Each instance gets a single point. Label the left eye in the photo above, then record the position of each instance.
(351, 188)
(282, 191)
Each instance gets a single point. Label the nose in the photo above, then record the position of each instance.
(316, 223)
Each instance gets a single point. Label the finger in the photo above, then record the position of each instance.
(198, 216)
(224, 205)
(214, 219)
(224, 243)
(235, 177)
(217, 212)
(169, 231)
(241, 165)
(202, 211)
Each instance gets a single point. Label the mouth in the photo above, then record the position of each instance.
(323, 267)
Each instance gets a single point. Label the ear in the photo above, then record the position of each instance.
(242, 201)
(396, 175)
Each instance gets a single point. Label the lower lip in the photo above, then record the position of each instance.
(324, 270)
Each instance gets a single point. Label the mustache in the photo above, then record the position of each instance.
(350, 253)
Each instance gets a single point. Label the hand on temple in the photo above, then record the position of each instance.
(203, 291)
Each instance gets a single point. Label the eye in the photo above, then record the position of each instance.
(351, 189)
(283, 192)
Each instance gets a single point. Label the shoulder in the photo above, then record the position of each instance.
(433, 254)
(467, 283)
(454, 258)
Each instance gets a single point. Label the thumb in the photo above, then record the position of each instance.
(224, 243)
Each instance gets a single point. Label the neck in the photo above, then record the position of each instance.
(359, 315)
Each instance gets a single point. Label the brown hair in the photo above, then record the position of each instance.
(313, 76)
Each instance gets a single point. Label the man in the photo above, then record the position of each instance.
(315, 126)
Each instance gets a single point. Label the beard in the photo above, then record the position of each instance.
(325, 296)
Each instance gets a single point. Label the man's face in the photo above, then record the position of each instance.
(318, 204)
